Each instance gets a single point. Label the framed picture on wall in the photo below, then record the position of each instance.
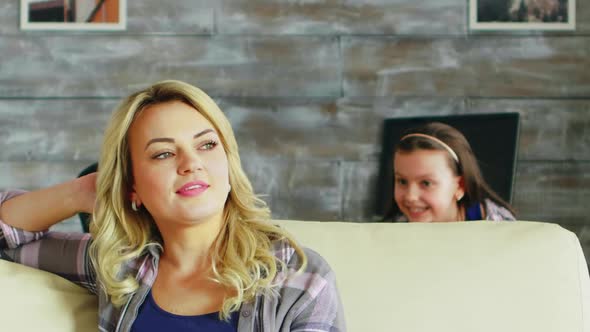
(73, 14)
(522, 14)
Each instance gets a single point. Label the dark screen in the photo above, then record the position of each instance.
(493, 139)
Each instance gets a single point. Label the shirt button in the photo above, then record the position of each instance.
(246, 313)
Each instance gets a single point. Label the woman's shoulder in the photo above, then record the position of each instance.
(316, 264)
(497, 212)
(316, 281)
(311, 293)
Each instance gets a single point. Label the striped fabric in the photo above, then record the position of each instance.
(306, 301)
(496, 212)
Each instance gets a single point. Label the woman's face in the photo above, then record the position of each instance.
(180, 169)
(426, 189)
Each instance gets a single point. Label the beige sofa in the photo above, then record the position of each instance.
(477, 276)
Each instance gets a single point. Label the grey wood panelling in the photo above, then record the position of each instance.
(359, 190)
(582, 17)
(271, 17)
(306, 190)
(302, 130)
(100, 65)
(9, 16)
(53, 129)
(346, 129)
(553, 191)
(478, 66)
(171, 17)
(31, 175)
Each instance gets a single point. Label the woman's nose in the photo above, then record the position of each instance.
(191, 162)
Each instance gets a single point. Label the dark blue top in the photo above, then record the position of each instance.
(153, 318)
(473, 212)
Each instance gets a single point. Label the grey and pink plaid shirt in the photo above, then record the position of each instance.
(307, 301)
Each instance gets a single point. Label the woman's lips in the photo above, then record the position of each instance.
(193, 188)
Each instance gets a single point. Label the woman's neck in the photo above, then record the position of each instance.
(188, 248)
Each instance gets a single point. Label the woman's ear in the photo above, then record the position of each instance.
(134, 197)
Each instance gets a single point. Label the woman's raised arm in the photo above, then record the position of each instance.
(38, 210)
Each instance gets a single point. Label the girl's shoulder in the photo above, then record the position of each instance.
(497, 212)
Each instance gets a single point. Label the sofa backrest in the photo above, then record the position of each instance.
(476, 276)
(455, 277)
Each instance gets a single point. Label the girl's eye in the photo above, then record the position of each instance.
(162, 155)
(401, 181)
(426, 183)
(209, 145)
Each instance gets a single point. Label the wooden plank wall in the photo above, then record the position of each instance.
(306, 85)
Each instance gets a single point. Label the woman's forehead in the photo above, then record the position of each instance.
(169, 119)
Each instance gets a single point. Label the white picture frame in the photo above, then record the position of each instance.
(73, 15)
(552, 15)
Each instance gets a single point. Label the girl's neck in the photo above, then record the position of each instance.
(460, 213)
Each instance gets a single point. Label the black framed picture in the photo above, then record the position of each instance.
(73, 14)
(522, 14)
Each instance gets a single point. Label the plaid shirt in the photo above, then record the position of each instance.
(307, 301)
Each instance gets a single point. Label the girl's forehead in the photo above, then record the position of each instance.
(421, 162)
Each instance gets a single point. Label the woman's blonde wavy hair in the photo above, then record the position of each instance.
(242, 260)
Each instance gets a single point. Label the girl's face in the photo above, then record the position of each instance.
(426, 189)
(180, 169)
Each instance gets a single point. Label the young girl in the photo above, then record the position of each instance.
(179, 241)
(437, 179)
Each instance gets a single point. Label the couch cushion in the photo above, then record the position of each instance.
(33, 300)
(477, 276)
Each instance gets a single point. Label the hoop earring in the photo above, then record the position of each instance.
(133, 206)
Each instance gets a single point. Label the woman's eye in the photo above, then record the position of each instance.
(401, 181)
(162, 155)
(209, 145)
(426, 183)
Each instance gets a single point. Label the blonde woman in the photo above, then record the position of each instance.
(179, 241)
